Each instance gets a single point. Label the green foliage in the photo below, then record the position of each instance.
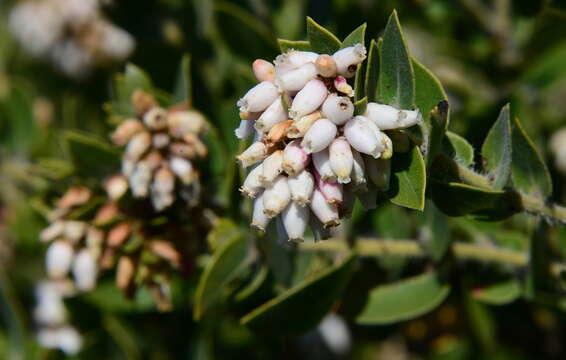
(496, 150)
(408, 179)
(321, 40)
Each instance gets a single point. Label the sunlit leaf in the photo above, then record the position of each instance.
(499, 293)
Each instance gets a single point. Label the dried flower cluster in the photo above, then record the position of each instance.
(73, 34)
(313, 154)
(161, 146)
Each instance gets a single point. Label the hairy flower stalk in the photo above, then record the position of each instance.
(314, 155)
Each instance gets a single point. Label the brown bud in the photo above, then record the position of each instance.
(198, 145)
(75, 196)
(119, 234)
(125, 273)
(107, 259)
(246, 115)
(106, 214)
(279, 132)
(165, 250)
(162, 296)
(125, 131)
(143, 102)
(326, 66)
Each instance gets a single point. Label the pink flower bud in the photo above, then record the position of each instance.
(59, 258)
(276, 197)
(125, 131)
(116, 186)
(138, 145)
(245, 130)
(259, 219)
(295, 220)
(301, 187)
(342, 86)
(272, 167)
(263, 70)
(296, 79)
(338, 109)
(332, 191)
(52, 232)
(295, 159)
(139, 180)
(379, 172)
(308, 99)
(184, 170)
(321, 162)
(341, 159)
(253, 154)
(358, 173)
(259, 97)
(185, 122)
(348, 58)
(326, 66)
(292, 59)
(252, 184)
(155, 118)
(319, 136)
(362, 136)
(272, 116)
(327, 213)
(387, 117)
(85, 270)
(300, 126)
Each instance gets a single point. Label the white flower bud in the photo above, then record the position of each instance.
(69, 340)
(155, 118)
(184, 122)
(256, 152)
(338, 109)
(245, 130)
(387, 152)
(74, 230)
(94, 240)
(308, 99)
(183, 168)
(295, 159)
(276, 197)
(138, 145)
(272, 167)
(341, 84)
(295, 220)
(300, 126)
(272, 116)
(259, 97)
(387, 117)
(116, 186)
(327, 213)
(50, 311)
(252, 184)
(52, 232)
(379, 172)
(58, 259)
(85, 270)
(362, 136)
(292, 59)
(358, 173)
(348, 58)
(332, 191)
(296, 79)
(326, 66)
(259, 219)
(162, 188)
(140, 179)
(319, 136)
(263, 70)
(125, 131)
(301, 187)
(246, 115)
(321, 162)
(341, 159)
(128, 166)
(160, 140)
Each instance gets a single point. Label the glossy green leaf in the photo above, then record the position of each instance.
(360, 106)
(286, 45)
(396, 77)
(224, 267)
(403, 300)
(496, 150)
(322, 41)
(359, 82)
(372, 70)
(528, 170)
(458, 148)
(434, 231)
(302, 307)
(408, 179)
(499, 293)
(355, 37)
(183, 87)
(91, 156)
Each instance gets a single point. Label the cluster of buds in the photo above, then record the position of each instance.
(73, 34)
(312, 155)
(161, 146)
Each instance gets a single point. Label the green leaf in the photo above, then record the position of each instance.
(259, 280)
(528, 170)
(496, 150)
(372, 70)
(108, 298)
(408, 179)
(403, 300)
(434, 231)
(322, 41)
(458, 148)
(125, 84)
(224, 230)
(286, 45)
(499, 293)
(302, 307)
(359, 83)
(355, 37)
(17, 118)
(360, 106)
(225, 265)
(183, 87)
(396, 78)
(91, 157)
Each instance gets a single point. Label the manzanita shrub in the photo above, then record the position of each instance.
(164, 222)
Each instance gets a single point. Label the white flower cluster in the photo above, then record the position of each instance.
(312, 154)
(50, 314)
(161, 146)
(73, 34)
